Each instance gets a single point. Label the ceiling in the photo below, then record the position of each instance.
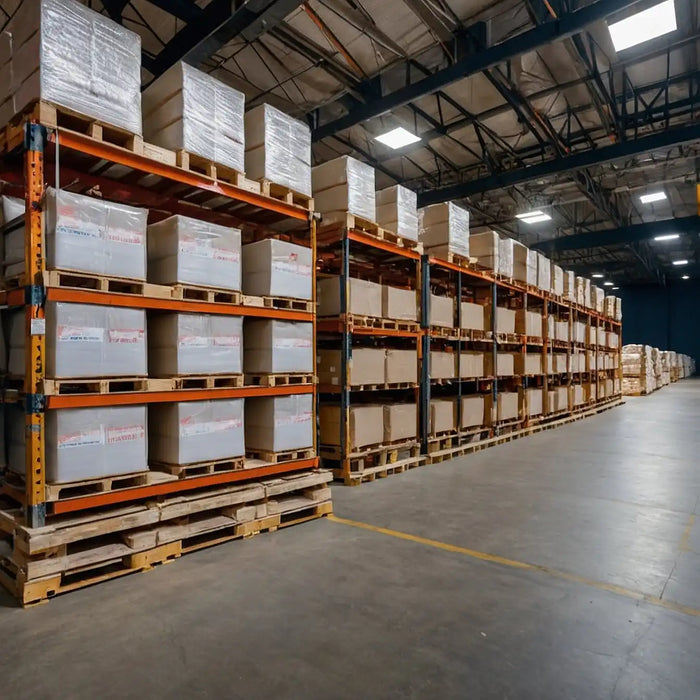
(520, 105)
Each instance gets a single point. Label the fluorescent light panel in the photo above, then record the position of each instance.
(598, 275)
(614, 288)
(686, 277)
(397, 138)
(652, 197)
(533, 217)
(644, 26)
(680, 262)
(607, 284)
(667, 237)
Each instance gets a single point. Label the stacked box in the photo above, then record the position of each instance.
(400, 366)
(277, 269)
(182, 250)
(344, 185)
(399, 304)
(445, 228)
(365, 424)
(580, 291)
(12, 246)
(278, 149)
(557, 280)
(471, 364)
(592, 335)
(570, 286)
(279, 423)
(187, 432)
(533, 400)
(442, 415)
(366, 366)
(587, 296)
(577, 362)
(485, 248)
(441, 311)
(180, 344)
(186, 109)
(528, 364)
(558, 399)
(505, 319)
(544, 273)
(277, 346)
(601, 337)
(505, 364)
(618, 309)
(524, 264)
(561, 330)
(61, 52)
(364, 298)
(505, 257)
(528, 322)
(85, 340)
(506, 406)
(578, 332)
(442, 365)
(609, 306)
(400, 421)
(472, 411)
(397, 211)
(577, 397)
(472, 316)
(556, 363)
(597, 298)
(612, 340)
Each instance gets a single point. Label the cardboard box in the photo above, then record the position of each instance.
(442, 415)
(557, 280)
(505, 319)
(544, 273)
(365, 425)
(472, 316)
(364, 298)
(524, 264)
(597, 298)
(577, 362)
(277, 346)
(570, 286)
(181, 344)
(401, 366)
(190, 251)
(366, 366)
(528, 364)
(556, 363)
(558, 399)
(577, 396)
(485, 248)
(505, 364)
(505, 257)
(187, 432)
(561, 330)
(506, 406)
(472, 411)
(397, 211)
(445, 226)
(400, 421)
(279, 423)
(277, 269)
(578, 332)
(442, 365)
(471, 364)
(399, 304)
(532, 402)
(344, 185)
(528, 323)
(442, 311)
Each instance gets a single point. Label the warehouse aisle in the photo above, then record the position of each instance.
(562, 565)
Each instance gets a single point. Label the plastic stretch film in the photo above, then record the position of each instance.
(194, 344)
(279, 424)
(190, 110)
(13, 240)
(278, 346)
(557, 280)
(278, 148)
(344, 185)
(397, 211)
(486, 248)
(278, 269)
(505, 257)
(570, 285)
(191, 251)
(544, 273)
(64, 53)
(445, 228)
(196, 431)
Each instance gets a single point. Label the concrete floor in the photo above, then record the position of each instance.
(564, 565)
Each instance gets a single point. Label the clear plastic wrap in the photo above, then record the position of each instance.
(277, 346)
(86, 340)
(191, 251)
(92, 235)
(544, 273)
(570, 286)
(397, 211)
(13, 242)
(505, 257)
(194, 344)
(280, 423)
(618, 309)
(557, 280)
(344, 185)
(64, 53)
(278, 148)
(485, 247)
(609, 306)
(190, 110)
(196, 431)
(597, 298)
(444, 228)
(580, 291)
(587, 297)
(524, 264)
(277, 268)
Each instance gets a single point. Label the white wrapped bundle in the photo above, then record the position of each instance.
(485, 247)
(279, 424)
(344, 185)
(64, 53)
(505, 257)
(277, 346)
(190, 110)
(277, 268)
(544, 273)
(397, 211)
(557, 280)
(444, 228)
(13, 240)
(570, 286)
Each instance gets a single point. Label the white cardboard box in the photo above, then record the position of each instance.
(279, 423)
(277, 346)
(397, 212)
(399, 304)
(442, 365)
(445, 226)
(344, 185)
(472, 316)
(278, 269)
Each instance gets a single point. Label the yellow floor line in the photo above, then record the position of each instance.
(515, 564)
(685, 538)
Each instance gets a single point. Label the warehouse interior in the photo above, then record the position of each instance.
(454, 457)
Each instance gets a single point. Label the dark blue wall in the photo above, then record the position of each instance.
(665, 317)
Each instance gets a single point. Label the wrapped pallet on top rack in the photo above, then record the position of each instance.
(278, 424)
(485, 247)
(198, 116)
(505, 257)
(444, 230)
(276, 268)
(344, 186)
(544, 273)
(557, 280)
(524, 264)
(61, 52)
(570, 286)
(397, 211)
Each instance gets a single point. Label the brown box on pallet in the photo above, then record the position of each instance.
(365, 424)
(442, 311)
(442, 365)
(558, 399)
(505, 364)
(442, 415)
(473, 316)
(401, 366)
(505, 319)
(366, 366)
(507, 406)
(531, 402)
(472, 411)
(471, 364)
(528, 323)
(399, 304)
(400, 422)
(364, 298)
(528, 364)
(279, 423)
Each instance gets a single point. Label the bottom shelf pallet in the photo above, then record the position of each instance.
(78, 551)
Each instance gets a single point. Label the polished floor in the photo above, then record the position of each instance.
(564, 565)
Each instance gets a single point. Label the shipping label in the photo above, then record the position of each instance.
(78, 334)
(292, 343)
(303, 417)
(128, 336)
(188, 428)
(81, 438)
(126, 433)
(193, 341)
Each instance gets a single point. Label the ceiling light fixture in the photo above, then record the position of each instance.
(598, 276)
(652, 197)
(533, 217)
(680, 262)
(608, 284)
(644, 26)
(667, 237)
(686, 277)
(615, 288)
(397, 138)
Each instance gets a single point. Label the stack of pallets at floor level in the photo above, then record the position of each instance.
(646, 369)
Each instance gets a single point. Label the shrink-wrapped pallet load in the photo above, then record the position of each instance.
(279, 423)
(557, 280)
(397, 211)
(529, 323)
(272, 346)
(485, 247)
(277, 269)
(505, 257)
(472, 316)
(344, 185)
(186, 109)
(524, 264)
(637, 370)
(544, 273)
(570, 286)
(364, 298)
(443, 229)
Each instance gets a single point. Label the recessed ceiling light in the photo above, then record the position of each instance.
(680, 262)
(533, 217)
(397, 138)
(598, 276)
(644, 26)
(652, 197)
(686, 277)
(667, 237)
(608, 284)
(614, 288)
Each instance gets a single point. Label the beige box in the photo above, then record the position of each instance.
(442, 311)
(472, 316)
(471, 364)
(528, 323)
(366, 366)
(442, 415)
(400, 422)
(344, 185)
(570, 285)
(561, 330)
(401, 366)
(277, 268)
(524, 264)
(578, 332)
(399, 304)
(505, 364)
(445, 226)
(485, 248)
(472, 411)
(442, 365)
(365, 425)
(577, 397)
(558, 399)
(397, 211)
(528, 364)
(556, 363)
(364, 298)
(279, 423)
(557, 280)
(277, 346)
(505, 319)
(533, 399)
(507, 406)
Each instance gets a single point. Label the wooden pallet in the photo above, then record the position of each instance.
(533, 340)
(378, 464)
(384, 387)
(184, 471)
(101, 283)
(190, 292)
(104, 385)
(369, 228)
(390, 324)
(278, 457)
(445, 332)
(443, 253)
(286, 194)
(223, 173)
(74, 489)
(509, 338)
(285, 303)
(286, 379)
(206, 381)
(442, 442)
(475, 336)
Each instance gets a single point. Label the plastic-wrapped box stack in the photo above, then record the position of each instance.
(278, 149)
(505, 257)
(364, 297)
(524, 264)
(272, 346)
(277, 269)
(570, 286)
(637, 370)
(397, 211)
(485, 247)
(61, 52)
(279, 423)
(186, 109)
(344, 185)
(557, 280)
(443, 229)
(544, 273)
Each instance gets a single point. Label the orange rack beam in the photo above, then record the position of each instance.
(360, 237)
